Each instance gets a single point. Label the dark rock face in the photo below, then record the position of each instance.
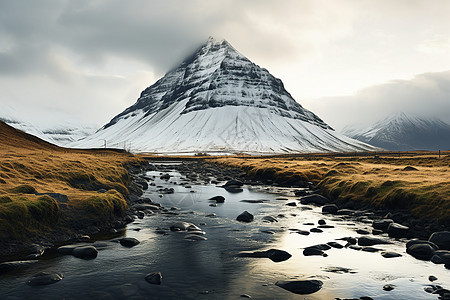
(382, 224)
(302, 287)
(441, 239)
(441, 257)
(129, 242)
(245, 217)
(180, 226)
(45, 278)
(330, 209)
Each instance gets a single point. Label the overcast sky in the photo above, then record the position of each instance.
(347, 61)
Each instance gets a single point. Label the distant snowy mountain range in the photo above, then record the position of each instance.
(60, 134)
(217, 100)
(402, 132)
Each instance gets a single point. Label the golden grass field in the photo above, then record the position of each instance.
(29, 165)
(420, 184)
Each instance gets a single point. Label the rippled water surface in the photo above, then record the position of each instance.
(211, 270)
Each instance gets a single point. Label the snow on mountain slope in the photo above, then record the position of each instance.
(404, 132)
(59, 134)
(219, 101)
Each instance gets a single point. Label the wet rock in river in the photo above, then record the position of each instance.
(370, 241)
(370, 249)
(165, 176)
(388, 287)
(274, 254)
(322, 222)
(128, 242)
(441, 239)
(180, 226)
(339, 270)
(421, 251)
(254, 201)
(291, 204)
(85, 252)
(245, 217)
(382, 224)
(316, 230)
(154, 278)
(362, 231)
(233, 189)
(390, 254)
(326, 226)
(417, 241)
(14, 265)
(246, 296)
(314, 199)
(302, 287)
(195, 237)
(329, 209)
(397, 230)
(335, 245)
(270, 219)
(302, 232)
(233, 183)
(45, 278)
(441, 257)
(432, 278)
(315, 250)
(218, 199)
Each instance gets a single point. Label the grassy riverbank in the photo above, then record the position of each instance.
(88, 187)
(419, 184)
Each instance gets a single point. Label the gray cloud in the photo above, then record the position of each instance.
(425, 95)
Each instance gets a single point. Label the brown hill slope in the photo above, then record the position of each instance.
(13, 138)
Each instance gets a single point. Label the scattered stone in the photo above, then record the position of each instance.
(397, 230)
(291, 204)
(302, 232)
(330, 209)
(362, 231)
(211, 215)
(233, 190)
(316, 230)
(254, 201)
(165, 176)
(416, 241)
(409, 168)
(388, 287)
(355, 247)
(432, 278)
(180, 226)
(382, 224)
(441, 257)
(370, 249)
(85, 252)
(390, 254)
(370, 241)
(245, 296)
(308, 224)
(213, 205)
(345, 212)
(302, 287)
(128, 242)
(322, 222)
(268, 231)
(14, 265)
(195, 237)
(326, 226)
(218, 199)
(377, 232)
(339, 270)
(270, 219)
(441, 239)
(274, 254)
(233, 183)
(335, 245)
(154, 278)
(245, 217)
(314, 199)
(421, 251)
(45, 278)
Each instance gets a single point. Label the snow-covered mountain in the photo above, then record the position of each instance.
(404, 132)
(217, 100)
(60, 134)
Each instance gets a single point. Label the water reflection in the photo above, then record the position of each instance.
(210, 269)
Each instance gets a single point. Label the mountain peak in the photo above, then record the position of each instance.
(214, 100)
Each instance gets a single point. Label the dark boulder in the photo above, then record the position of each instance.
(233, 182)
(85, 252)
(274, 254)
(329, 209)
(218, 199)
(245, 217)
(396, 230)
(45, 278)
(441, 239)
(389, 254)
(314, 199)
(370, 241)
(128, 242)
(441, 257)
(302, 287)
(421, 251)
(154, 278)
(382, 224)
(14, 265)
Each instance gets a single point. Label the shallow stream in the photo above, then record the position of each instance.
(210, 269)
